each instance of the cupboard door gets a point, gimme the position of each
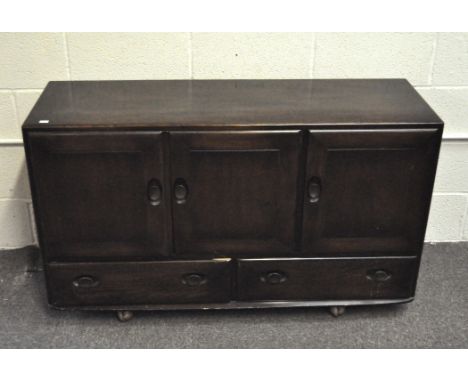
(368, 191)
(100, 195)
(235, 192)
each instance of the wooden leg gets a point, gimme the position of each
(124, 315)
(337, 311)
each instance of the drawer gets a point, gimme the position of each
(140, 283)
(326, 279)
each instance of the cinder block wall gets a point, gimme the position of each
(436, 63)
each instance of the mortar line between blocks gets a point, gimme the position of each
(19, 90)
(450, 193)
(67, 55)
(190, 49)
(464, 219)
(313, 57)
(15, 108)
(7, 142)
(432, 60)
(431, 242)
(3, 248)
(25, 200)
(441, 87)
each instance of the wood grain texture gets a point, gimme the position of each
(242, 194)
(215, 103)
(241, 305)
(326, 279)
(128, 283)
(94, 190)
(376, 187)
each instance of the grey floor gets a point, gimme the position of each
(438, 318)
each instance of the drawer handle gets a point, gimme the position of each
(274, 278)
(379, 275)
(83, 282)
(314, 189)
(194, 279)
(154, 192)
(180, 191)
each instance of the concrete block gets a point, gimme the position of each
(14, 182)
(451, 105)
(15, 226)
(446, 217)
(252, 55)
(452, 170)
(25, 100)
(33, 223)
(8, 124)
(30, 60)
(451, 59)
(465, 230)
(374, 55)
(123, 56)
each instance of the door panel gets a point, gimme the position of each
(235, 192)
(100, 195)
(368, 191)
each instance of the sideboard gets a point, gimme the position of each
(213, 194)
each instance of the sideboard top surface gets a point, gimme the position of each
(217, 103)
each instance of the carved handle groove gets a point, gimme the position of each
(314, 190)
(379, 275)
(274, 278)
(84, 282)
(194, 279)
(180, 191)
(154, 192)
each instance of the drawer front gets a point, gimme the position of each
(163, 282)
(326, 279)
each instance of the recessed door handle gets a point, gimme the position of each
(154, 192)
(194, 279)
(314, 189)
(85, 282)
(379, 275)
(180, 191)
(274, 278)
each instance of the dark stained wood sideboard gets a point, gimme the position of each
(182, 194)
